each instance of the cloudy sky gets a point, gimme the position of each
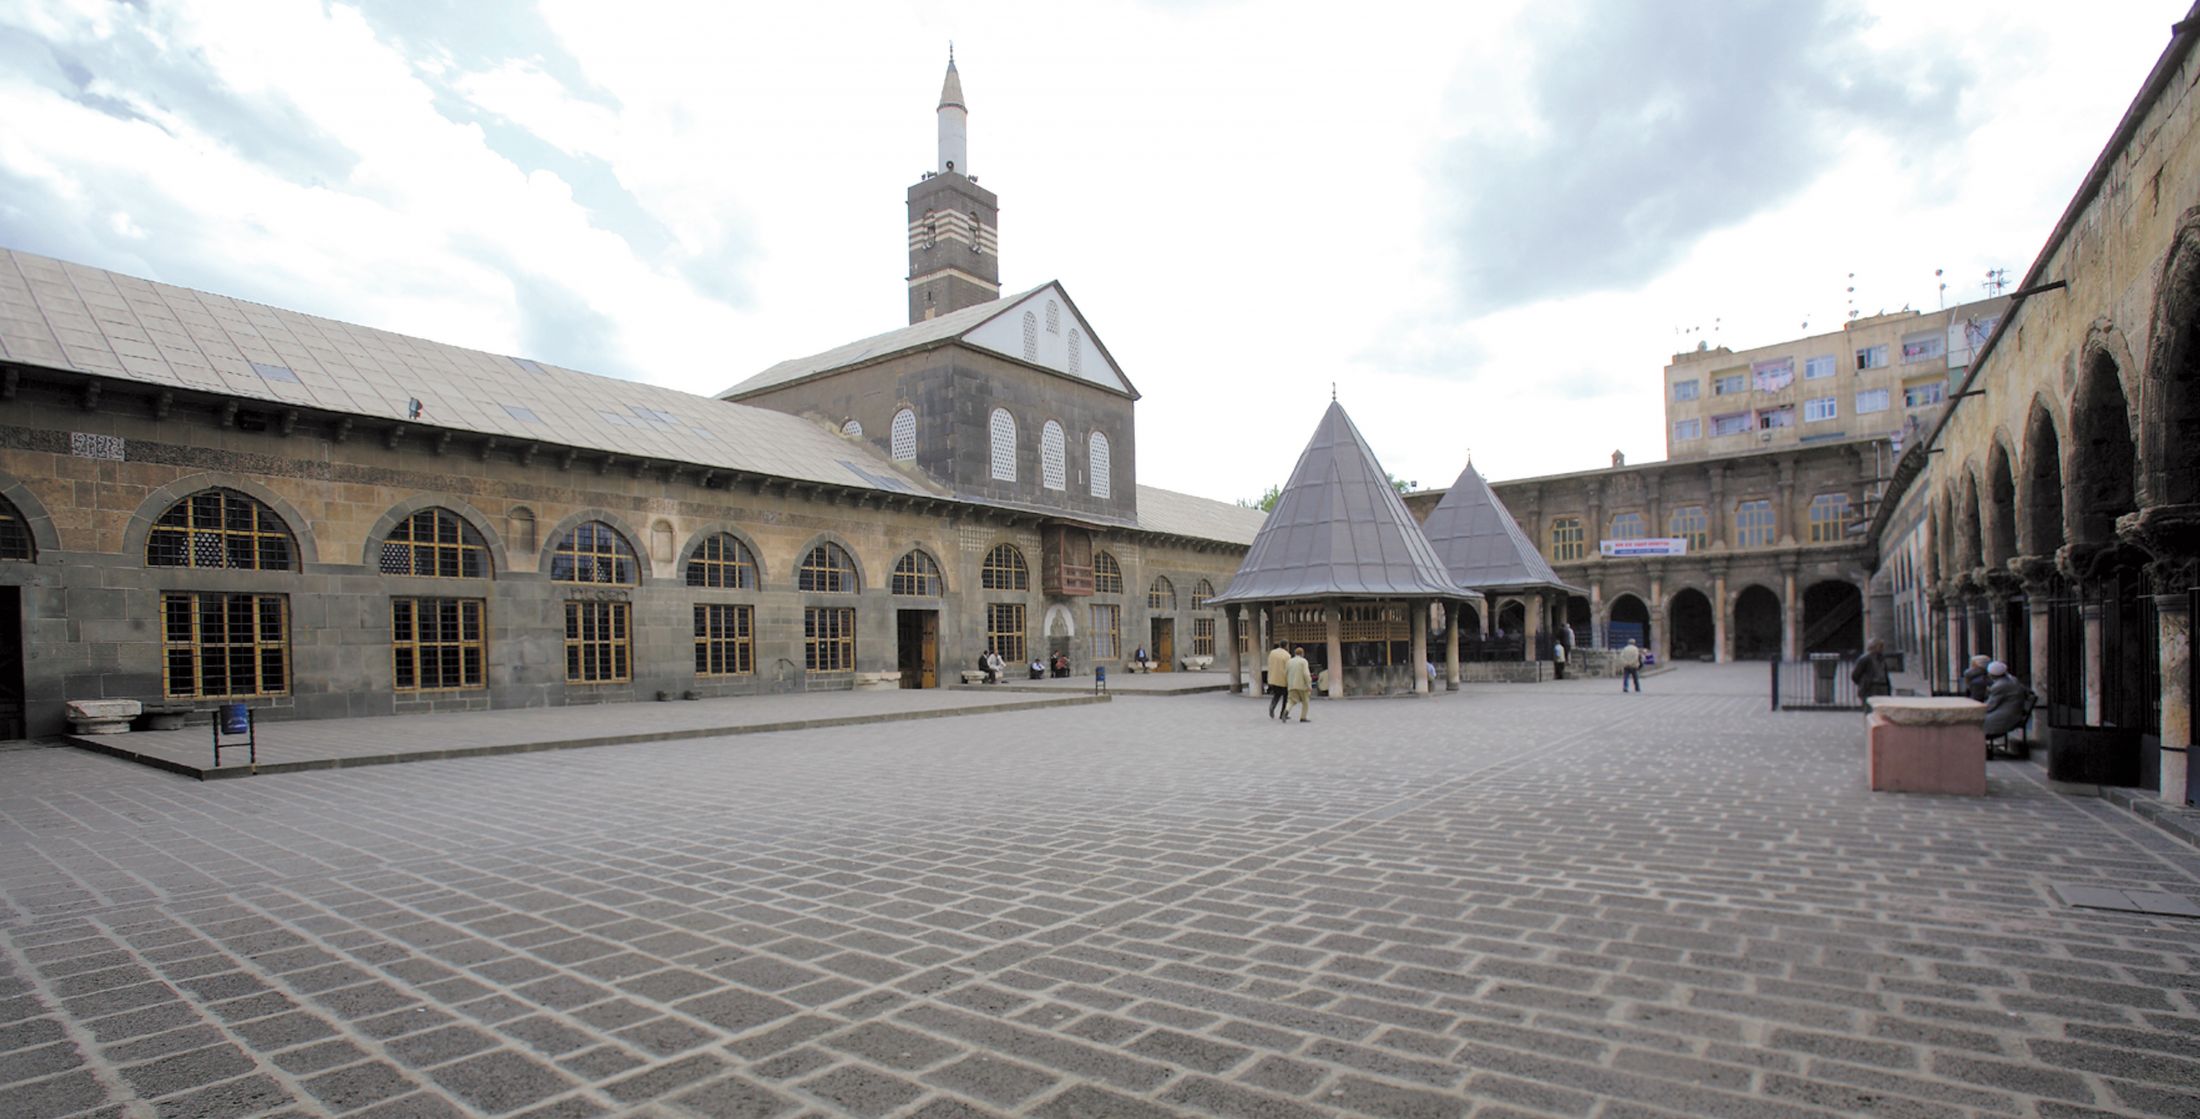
(1489, 225)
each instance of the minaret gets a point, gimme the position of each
(954, 247)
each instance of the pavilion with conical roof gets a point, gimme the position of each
(1341, 568)
(1483, 549)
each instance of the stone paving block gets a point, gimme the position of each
(860, 1091)
(348, 1089)
(498, 1082)
(182, 1071)
(735, 1098)
(992, 1079)
(251, 1095)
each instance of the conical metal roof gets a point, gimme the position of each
(1481, 545)
(1339, 531)
(951, 90)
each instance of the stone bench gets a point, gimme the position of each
(1926, 744)
(102, 716)
(973, 676)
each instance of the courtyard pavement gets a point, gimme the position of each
(1513, 901)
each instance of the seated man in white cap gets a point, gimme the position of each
(1975, 680)
(2008, 701)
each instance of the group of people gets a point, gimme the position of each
(1290, 683)
(990, 663)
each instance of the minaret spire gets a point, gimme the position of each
(954, 121)
(954, 243)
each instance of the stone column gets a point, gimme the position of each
(1719, 608)
(1791, 615)
(1952, 664)
(1451, 646)
(1531, 620)
(1596, 611)
(1334, 619)
(2174, 617)
(2091, 612)
(1419, 610)
(1237, 652)
(2037, 575)
(1786, 508)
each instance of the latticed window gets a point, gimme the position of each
(1107, 631)
(829, 639)
(1076, 351)
(1373, 621)
(596, 643)
(827, 570)
(1689, 523)
(724, 643)
(594, 552)
(1566, 538)
(1002, 431)
(219, 646)
(1031, 336)
(853, 428)
(1053, 457)
(1054, 317)
(437, 644)
(1627, 526)
(1103, 483)
(1829, 515)
(15, 536)
(721, 562)
(434, 542)
(1201, 592)
(904, 436)
(1161, 595)
(1107, 575)
(916, 574)
(219, 528)
(1753, 524)
(1203, 637)
(1004, 570)
(1004, 630)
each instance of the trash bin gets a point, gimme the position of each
(1099, 678)
(1825, 673)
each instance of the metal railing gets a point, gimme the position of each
(1821, 683)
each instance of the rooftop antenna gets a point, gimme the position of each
(1943, 289)
(1996, 279)
(1852, 297)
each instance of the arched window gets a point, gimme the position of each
(1566, 539)
(1004, 570)
(1031, 336)
(1076, 352)
(434, 542)
(1626, 526)
(1053, 455)
(1753, 524)
(1096, 461)
(1003, 430)
(916, 574)
(905, 436)
(220, 528)
(1829, 515)
(1107, 575)
(1201, 592)
(1162, 595)
(15, 536)
(594, 552)
(1689, 523)
(1054, 317)
(827, 570)
(853, 428)
(721, 562)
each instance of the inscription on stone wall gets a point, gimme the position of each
(85, 444)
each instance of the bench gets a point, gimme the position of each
(973, 676)
(1926, 745)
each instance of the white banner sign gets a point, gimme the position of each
(1646, 546)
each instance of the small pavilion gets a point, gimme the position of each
(1341, 568)
(1483, 549)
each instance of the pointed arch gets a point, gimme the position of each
(1053, 457)
(2040, 528)
(828, 567)
(473, 520)
(917, 574)
(1100, 466)
(30, 528)
(2170, 395)
(2000, 506)
(1161, 595)
(1107, 574)
(2104, 457)
(1005, 570)
(903, 441)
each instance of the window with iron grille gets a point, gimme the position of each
(1107, 631)
(1076, 352)
(1107, 575)
(594, 552)
(1003, 448)
(1161, 595)
(597, 649)
(436, 543)
(829, 639)
(827, 570)
(1031, 336)
(1626, 526)
(15, 536)
(1054, 317)
(225, 646)
(1203, 637)
(721, 562)
(1689, 523)
(1566, 538)
(852, 429)
(1201, 592)
(1004, 570)
(1004, 631)
(904, 436)
(724, 645)
(220, 528)
(916, 574)
(1753, 524)
(1053, 457)
(1098, 462)
(1829, 515)
(437, 644)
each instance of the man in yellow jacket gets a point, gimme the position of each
(1279, 661)
(1298, 676)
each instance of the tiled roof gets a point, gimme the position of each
(1180, 514)
(1339, 530)
(1482, 546)
(914, 336)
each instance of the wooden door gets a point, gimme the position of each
(917, 647)
(1164, 644)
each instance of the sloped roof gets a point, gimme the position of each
(1181, 514)
(914, 336)
(1481, 545)
(1339, 531)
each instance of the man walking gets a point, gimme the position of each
(1630, 666)
(1870, 672)
(1279, 662)
(1299, 677)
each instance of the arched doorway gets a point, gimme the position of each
(1833, 619)
(1756, 626)
(1630, 622)
(1579, 617)
(2104, 485)
(1694, 631)
(2104, 459)
(1512, 618)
